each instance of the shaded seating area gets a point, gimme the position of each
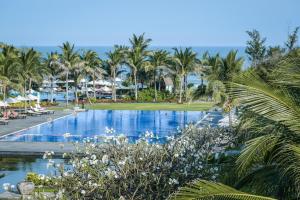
(18, 108)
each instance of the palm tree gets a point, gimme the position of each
(68, 59)
(136, 56)
(30, 68)
(184, 62)
(276, 144)
(114, 59)
(77, 72)
(93, 67)
(8, 68)
(51, 62)
(158, 61)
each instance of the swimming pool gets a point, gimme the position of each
(132, 123)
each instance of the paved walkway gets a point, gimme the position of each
(34, 148)
(19, 124)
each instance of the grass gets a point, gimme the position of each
(203, 106)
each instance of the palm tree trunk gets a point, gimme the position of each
(136, 86)
(114, 86)
(67, 88)
(4, 91)
(25, 106)
(29, 88)
(185, 88)
(86, 89)
(94, 85)
(76, 97)
(180, 89)
(51, 100)
(155, 91)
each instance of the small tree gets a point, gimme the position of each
(255, 47)
(292, 39)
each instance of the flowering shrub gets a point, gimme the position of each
(117, 169)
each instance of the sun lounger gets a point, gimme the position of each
(17, 115)
(40, 109)
(3, 121)
(77, 109)
(32, 113)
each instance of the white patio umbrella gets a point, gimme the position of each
(20, 98)
(100, 82)
(32, 97)
(11, 100)
(106, 89)
(3, 104)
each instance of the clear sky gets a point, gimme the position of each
(167, 22)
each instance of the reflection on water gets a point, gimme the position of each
(15, 169)
(132, 123)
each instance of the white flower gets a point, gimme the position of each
(105, 159)
(6, 186)
(93, 157)
(173, 181)
(83, 192)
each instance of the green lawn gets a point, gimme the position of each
(149, 106)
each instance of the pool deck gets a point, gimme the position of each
(20, 124)
(32, 148)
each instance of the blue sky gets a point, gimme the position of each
(167, 22)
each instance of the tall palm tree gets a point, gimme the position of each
(136, 56)
(93, 67)
(51, 62)
(184, 62)
(158, 61)
(78, 73)
(8, 68)
(30, 67)
(114, 59)
(230, 66)
(68, 59)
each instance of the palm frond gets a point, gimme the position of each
(255, 151)
(206, 190)
(261, 98)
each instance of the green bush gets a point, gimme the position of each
(39, 179)
(112, 167)
(148, 95)
(93, 100)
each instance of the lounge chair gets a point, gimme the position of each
(40, 109)
(17, 115)
(4, 116)
(3, 121)
(32, 113)
(77, 109)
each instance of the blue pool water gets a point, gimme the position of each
(133, 124)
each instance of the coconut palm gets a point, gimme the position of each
(158, 62)
(114, 60)
(277, 145)
(78, 73)
(136, 57)
(184, 62)
(51, 62)
(30, 67)
(68, 59)
(8, 68)
(93, 67)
